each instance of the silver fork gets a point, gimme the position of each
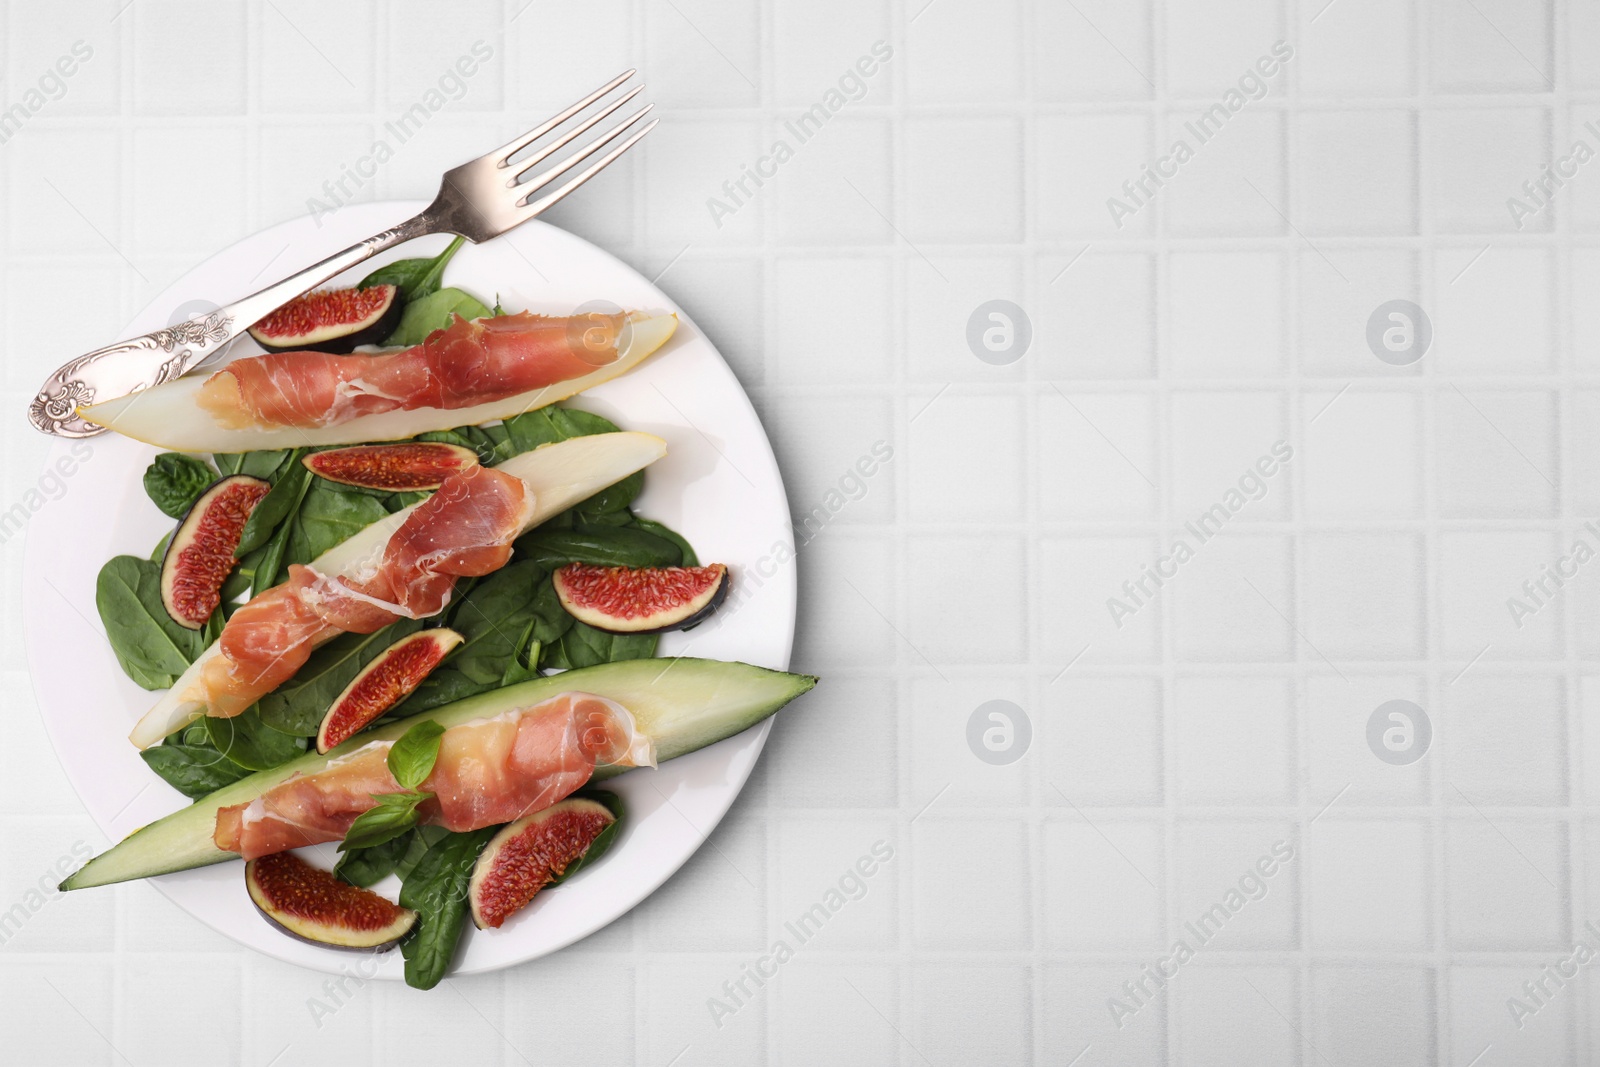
(479, 200)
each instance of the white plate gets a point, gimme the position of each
(718, 485)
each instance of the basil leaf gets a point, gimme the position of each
(249, 742)
(175, 481)
(193, 770)
(433, 312)
(298, 706)
(393, 815)
(150, 647)
(412, 757)
(280, 502)
(368, 866)
(603, 840)
(436, 889)
(415, 277)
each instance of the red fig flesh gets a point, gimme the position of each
(408, 466)
(383, 683)
(527, 855)
(640, 600)
(331, 320)
(199, 557)
(311, 904)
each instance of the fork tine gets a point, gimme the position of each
(587, 124)
(503, 156)
(544, 203)
(539, 181)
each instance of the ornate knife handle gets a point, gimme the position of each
(162, 355)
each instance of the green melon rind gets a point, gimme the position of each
(682, 705)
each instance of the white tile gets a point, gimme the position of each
(1340, 291)
(848, 579)
(1359, 48)
(718, 896)
(965, 51)
(851, 466)
(810, 769)
(1075, 186)
(994, 613)
(1479, 574)
(50, 55)
(1485, 46)
(956, 904)
(34, 915)
(1234, 740)
(1509, 859)
(562, 75)
(75, 217)
(1217, 441)
(1089, 610)
(1477, 159)
(956, 475)
(830, 861)
(1587, 731)
(1093, 50)
(1477, 1018)
(1235, 183)
(690, 168)
(1364, 595)
(315, 171)
(1362, 456)
(562, 987)
(1103, 883)
(817, 45)
(187, 61)
(1227, 313)
(606, 215)
(92, 323)
(964, 179)
(1223, 1022)
(1497, 452)
(1495, 316)
(1368, 884)
(1343, 770)
(675, 998)
(1585, 314)
(704, 54)
(1086, 721)
(826, 1013)
(837, 189)
(1075, 1021)
(318, 57)
(195, 211)
(724, 298)
(146, 992)
(1365, 1014)
(1505, 740)
(1095, 315)
(945, 999)
(423, 54)
(60, 1012)
(1096, 456)
(945, 773)
(1237, 884)
(835, 319)
(1572, 199)
(1357, 172)
(1210, 47)
(1217, 613)
(939, 308)
(1581, 32)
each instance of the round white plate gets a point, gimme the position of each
(718, 485)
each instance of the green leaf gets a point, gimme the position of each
(433, 312)
(298, 706)
(612, 500)
(436, 889)
(280, 502)
(584, 646)
(412, 757)
(327, 516)
(193, 770)
(270, 563)
(524, 666)
(608, 546)
(393, 815)
(175, 481)
(249, 742)
(369, 866)
(603, 840)
(151, 648)
(664, 532)
(415, 277)
(161, 547)
(420, 841)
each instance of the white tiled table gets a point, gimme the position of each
(1228, 712)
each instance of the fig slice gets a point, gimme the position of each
(331, 320)
(199, 557)
(404, 467)
(641, 600)
(383, 683)
(311, 904)
(529, 854)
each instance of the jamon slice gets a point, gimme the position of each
(488, 772)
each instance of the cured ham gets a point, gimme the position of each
(467, 363)
(489, 771)
(464, 529)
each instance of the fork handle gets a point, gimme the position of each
(162, 355)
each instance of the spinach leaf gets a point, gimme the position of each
(175, 481)
(279, 504)
(603, 840)
(412, 757)
(612, 501)
(161, 547)
(433, 312)
(415, 277)
(650, 526)
(326, 517)
(271, 561)
(421, 840)
(193, 770)
(238, 583)
(368, 866)
(297, 706)
(436, 889)
(584, 646)
(249, 742)
(393, 815)
(609, 546)
(524, 666)
(151, 648)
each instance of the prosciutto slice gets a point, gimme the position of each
(468, 362)
(489, 771)
(465, 528)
